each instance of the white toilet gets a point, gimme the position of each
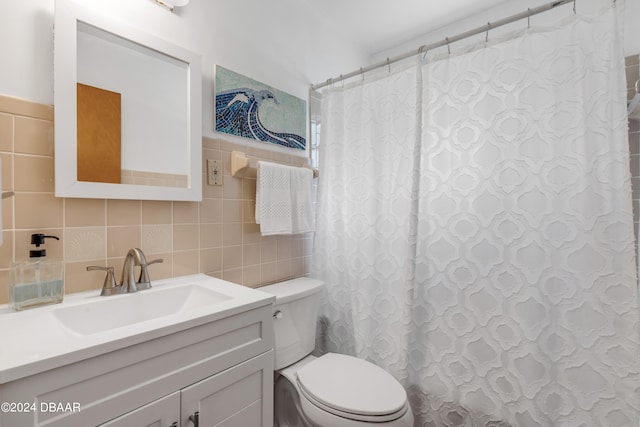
(333, 390)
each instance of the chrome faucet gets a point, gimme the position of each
(135, 258)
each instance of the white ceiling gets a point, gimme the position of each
(378, 25)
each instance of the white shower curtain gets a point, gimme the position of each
(475, 231)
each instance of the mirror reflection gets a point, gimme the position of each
(132, 110)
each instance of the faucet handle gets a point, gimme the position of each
(144, 282)
(109, 286)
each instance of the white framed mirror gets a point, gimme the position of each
(128, 120)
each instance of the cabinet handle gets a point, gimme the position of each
(195, 419)
(174, 424)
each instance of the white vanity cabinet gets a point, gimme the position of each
(161, 413)
(222, 369)
(235, 397)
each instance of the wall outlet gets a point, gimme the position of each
(214, 174)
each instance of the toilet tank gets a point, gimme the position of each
(294, 318)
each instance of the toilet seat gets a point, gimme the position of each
(352, 388)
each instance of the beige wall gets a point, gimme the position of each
(217, 236)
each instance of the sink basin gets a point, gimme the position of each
(87, 325)
(107, 313)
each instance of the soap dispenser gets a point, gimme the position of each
(37, 281)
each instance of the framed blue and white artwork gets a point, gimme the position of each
(250, 109)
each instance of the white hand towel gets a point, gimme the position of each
(302, 214)
(283, 199)
(273, 199)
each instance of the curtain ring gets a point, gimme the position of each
(362, 73)
(448, 45)
(574, 7)
(421, 48)
(389, 64)
(529, 18)
(342, 80)
(486, 37)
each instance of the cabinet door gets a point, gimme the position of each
(164, 412)
(241, 396)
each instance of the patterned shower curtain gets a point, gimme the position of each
(475, 231)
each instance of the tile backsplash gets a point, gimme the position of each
(217, 236)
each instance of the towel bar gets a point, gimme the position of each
(240, 163)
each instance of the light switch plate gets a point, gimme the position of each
(214, 174)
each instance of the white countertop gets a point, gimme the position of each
(35, 340)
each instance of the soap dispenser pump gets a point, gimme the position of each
(37, 281)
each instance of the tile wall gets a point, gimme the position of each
(217, 236)
(634, 146)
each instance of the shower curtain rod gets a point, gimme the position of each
(447, 41)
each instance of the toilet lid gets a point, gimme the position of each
(352, 385)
